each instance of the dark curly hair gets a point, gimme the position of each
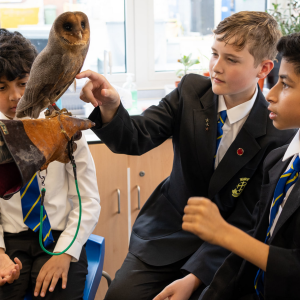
(289, 48)
(16, 55)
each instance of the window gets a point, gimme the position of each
(158, 32)
(34, 18)
(182, 27)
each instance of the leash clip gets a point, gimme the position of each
(42, 177)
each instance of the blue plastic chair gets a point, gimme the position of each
(95, 249)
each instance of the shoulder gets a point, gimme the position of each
(198, 83)
(274, 156)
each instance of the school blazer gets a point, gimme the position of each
(235, 278)
(157, 237)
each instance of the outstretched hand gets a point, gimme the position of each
(97, 90)
(202, 217)
(9, 271)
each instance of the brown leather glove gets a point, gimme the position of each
(33, 144)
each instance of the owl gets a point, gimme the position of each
(55, 68)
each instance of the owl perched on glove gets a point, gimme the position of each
(55, 68)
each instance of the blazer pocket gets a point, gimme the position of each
(158, 220)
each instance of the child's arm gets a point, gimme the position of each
(203, 218)
(58, 267)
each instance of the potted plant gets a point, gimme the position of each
(186, 62)
(289, 22)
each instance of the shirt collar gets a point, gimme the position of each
(3, 116)
(238, 112)
(293, 148)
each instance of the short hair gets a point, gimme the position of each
(289, 48)
(258, 30)
(16, 54)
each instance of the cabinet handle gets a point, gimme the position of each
(119, 201)
(139, 197)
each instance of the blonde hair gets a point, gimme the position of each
(257, 30)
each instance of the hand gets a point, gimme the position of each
(55, 268)
(9, 271)
(181, 289)
(202, 217)
(98, 90)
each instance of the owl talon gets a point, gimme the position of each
(52, 113)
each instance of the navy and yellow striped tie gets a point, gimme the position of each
(221, 122)
(31, 204)
(285, 182)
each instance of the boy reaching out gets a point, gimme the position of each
(271, 265)
(220, 132)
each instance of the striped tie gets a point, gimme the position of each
(221, 121)
(31, 204)
(285, 182)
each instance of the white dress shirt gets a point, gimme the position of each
(61, 202)
(292, 150)
(236, 117)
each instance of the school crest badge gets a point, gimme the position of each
(240, 187)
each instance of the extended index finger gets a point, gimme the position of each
(91, 75)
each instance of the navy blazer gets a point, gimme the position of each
(235, 278)
(157, 237)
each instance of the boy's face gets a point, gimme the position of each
(232, 72)
(11, 93)
(284, 98)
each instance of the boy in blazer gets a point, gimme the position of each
(23, 264)
(267, 265)
(226, 169)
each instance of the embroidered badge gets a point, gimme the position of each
(3, 127)
(240, 187)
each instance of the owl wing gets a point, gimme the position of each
(72, 66)
(50, 77)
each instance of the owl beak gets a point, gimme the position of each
(79, 34)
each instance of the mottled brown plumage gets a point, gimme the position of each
(57, 65)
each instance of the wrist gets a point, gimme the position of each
(225, 236)
(66, 256)
(194, 280)
(109, 111)
(2, 251)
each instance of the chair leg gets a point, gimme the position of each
(107, 277)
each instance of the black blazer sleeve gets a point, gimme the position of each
(283, 273)
(205, 262)
(138, 134)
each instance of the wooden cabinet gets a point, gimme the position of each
(111, 175)
(124, 173)
(146, 172)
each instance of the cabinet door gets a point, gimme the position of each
(146, 172)
(113, 226)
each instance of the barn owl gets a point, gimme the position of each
(55, 68)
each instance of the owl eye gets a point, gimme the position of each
(82, 25)
(67, 26)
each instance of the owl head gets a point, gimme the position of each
(72, 28)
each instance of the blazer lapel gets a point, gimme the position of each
(267, 197)
(254, 127)
(206, 139)
(292, 204)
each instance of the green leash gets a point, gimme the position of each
(41, 212)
